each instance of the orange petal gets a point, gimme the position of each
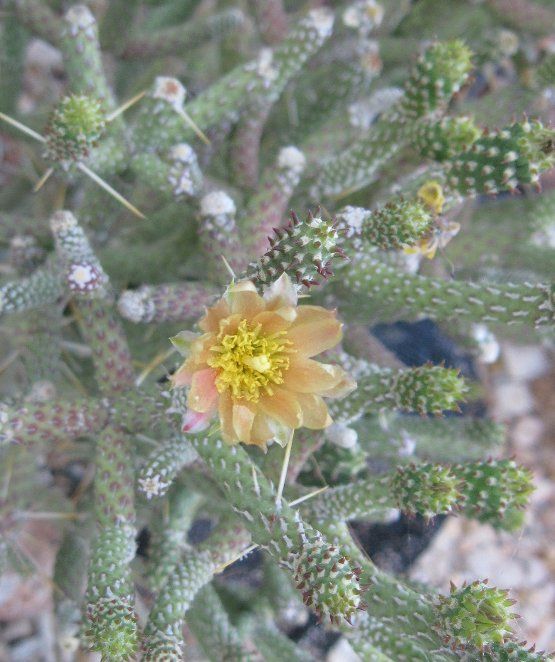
(228, 325)
(274, 321)
(246, 304)
(200, 348)
(283, 406)
(314, 337)
(307, 314)
(211, 320)
(203, 395)
(315, 411)
(344, 386)
(243, 418)
(261, 431)
(282, 292)
(309, 376)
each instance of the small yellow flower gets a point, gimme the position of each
(431, 194)
(253, 365)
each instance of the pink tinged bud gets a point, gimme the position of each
(194, 421)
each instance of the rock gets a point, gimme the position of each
(342, 652)
(525, 362)
(512, 399)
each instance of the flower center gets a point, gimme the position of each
(249, 362)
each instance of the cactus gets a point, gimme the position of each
(237, 114)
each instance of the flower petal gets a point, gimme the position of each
(243, 418)
(246, 304)
(315, 411)
(183, 341)
(274, 321)
(316, 336)
(280, 432)
(344, 386)
(309, 376)
(308, 313)
(203, 395)
(261, 431)
(281, 292)
(211, 320)
(282, 405)
(194, 421)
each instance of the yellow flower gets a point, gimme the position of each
(431, 194)
(253, 365)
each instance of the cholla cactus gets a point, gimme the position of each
(242, 114)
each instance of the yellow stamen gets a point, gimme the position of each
(249, 362)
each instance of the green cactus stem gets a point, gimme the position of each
(83, 59)
(439, 73)
(162, 466)
(211, 625)
(44, 286)
(330, 587)
(425, 390)
(178, 175)
(503, 160)
(496, 492)
(111, 620)
(182, 38)
(163, 632)
(171, 302)
(399, 438)
(266, 210)
(444, 139)
(219, 235)
(88, 283)
(416, 295)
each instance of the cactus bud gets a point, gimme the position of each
(328, 582)
(439, 73)
(303, 250)
(73, 129)
(475, 615)
(398, 224)
(426, 489)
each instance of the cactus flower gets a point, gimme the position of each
(253, 366)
